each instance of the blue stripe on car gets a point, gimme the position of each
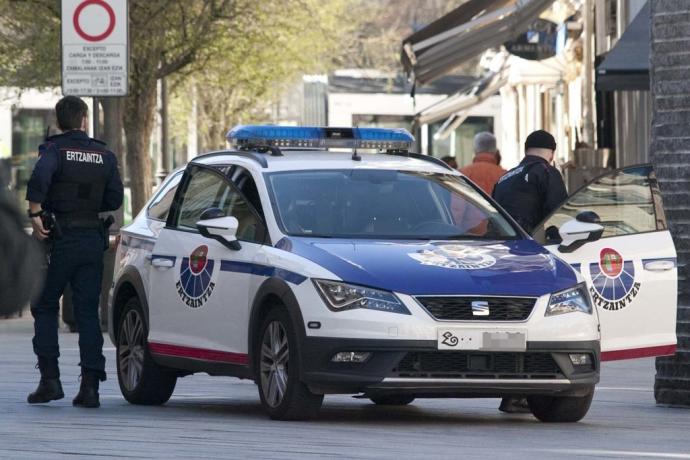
(261, 270)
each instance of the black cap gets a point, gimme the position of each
(540, 140)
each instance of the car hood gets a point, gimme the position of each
(468, 267)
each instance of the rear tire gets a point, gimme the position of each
(392, 400)
(141, 380)
(561, 409)
(277, 368)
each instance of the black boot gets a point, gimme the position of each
(49, 388)
(88, 391)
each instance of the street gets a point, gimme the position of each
(221, 418)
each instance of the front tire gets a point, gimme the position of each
(392, 400)
(561, 409)
(283, 395)
(141, 380)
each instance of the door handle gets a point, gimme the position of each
(160, 262)
(659, 265)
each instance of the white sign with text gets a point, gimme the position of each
(94, 47)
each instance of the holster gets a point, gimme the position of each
(105, 225)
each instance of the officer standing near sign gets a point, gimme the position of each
(75, 178)
(529, 193)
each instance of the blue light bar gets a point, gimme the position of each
(257, 136)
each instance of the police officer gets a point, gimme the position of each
(529, 193)
(75, 178)
(533, 189)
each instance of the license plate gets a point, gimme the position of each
(474, 339)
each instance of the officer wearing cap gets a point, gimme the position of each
(529, 193)
(75, 178)
(533, 189)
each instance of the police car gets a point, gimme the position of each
(384, 275)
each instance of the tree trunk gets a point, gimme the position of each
(113, 110)
(140, 108)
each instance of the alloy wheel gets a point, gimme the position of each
(130, 350)
(275, 355)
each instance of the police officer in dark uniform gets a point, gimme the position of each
(75, 178)
(529, 193)
(533, 189)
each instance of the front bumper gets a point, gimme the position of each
(418, 367)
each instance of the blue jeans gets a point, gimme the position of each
(76, 258)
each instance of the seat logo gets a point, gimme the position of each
(480, 308)
(613, 280)
(196, 281)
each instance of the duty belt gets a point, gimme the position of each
(69, 223)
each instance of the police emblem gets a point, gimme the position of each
(613, 280)
(457, 256)
(196, 282)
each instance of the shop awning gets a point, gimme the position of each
(626, 66)
(456, 104)
(466, 32)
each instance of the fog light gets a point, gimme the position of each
(350, 357)
(581, 359)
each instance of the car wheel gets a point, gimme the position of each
(283, 395)
(561, 409)
(392, 400)
(141, 380)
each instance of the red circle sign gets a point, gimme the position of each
(81, 32)
(611, 262)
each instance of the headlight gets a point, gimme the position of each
(570, 300)
(342, 296)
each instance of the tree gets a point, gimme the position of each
(179, 38)
(252, 69)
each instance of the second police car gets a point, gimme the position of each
(385, 275)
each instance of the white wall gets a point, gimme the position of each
(342, 107)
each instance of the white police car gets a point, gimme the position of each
(385, 275)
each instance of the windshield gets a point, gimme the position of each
(383, 205)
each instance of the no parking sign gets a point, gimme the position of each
(94, 47)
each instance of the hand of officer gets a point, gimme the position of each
(39, 232)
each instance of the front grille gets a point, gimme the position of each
(459, 365)
(460, 308)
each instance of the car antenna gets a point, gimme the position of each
(355, 156)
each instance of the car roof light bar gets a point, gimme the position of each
(309, 137)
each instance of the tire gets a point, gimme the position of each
(392, 400)
(561, 409)
(277, 368)
(141, 380)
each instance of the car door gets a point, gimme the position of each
(198, 286)
(631, 270)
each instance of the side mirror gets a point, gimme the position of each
(221, 229)
(584, 228)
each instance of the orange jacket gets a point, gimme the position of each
(484, 171)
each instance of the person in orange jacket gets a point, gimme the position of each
(484, 169)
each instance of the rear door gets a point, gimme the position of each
(631, 271)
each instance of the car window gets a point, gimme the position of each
(245, 183)
(208, 189)
(383, 204)
(623, 200)
(160, 205)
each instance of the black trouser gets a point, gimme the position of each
(76, 258)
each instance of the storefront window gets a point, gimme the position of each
(29, 129)
(459, 143)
